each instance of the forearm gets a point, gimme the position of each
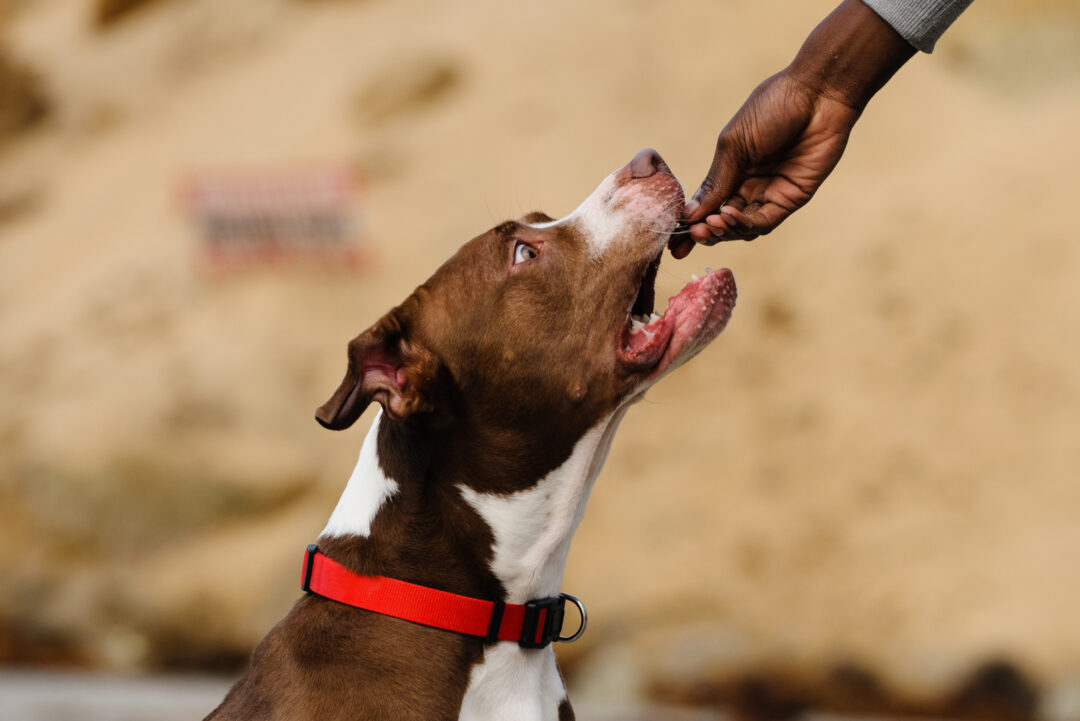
(850, 55)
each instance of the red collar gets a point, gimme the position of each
(532, 625)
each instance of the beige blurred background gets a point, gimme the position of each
(864, 496)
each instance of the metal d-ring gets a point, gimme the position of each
(584, 619)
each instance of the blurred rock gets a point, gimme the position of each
(995, 690)
(780, 688)
(408, 87)
(23, 100)
(19, 202)
(109, 12)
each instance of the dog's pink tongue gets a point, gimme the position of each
(645, 347)
(687, 314)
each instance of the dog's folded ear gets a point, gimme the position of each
(386, 367)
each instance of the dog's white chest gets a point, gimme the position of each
(514, 683)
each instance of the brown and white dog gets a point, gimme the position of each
(502, 380)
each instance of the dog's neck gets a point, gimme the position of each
(367, 490)
(433, 527)
(525, 536)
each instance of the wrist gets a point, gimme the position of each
(850, 55)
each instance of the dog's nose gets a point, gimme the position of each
(647, 162)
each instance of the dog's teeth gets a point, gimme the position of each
(636, 325)
(693, 277)
(653, 317)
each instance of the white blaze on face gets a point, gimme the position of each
(366, 492)
(613, 209)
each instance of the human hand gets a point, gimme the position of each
(770, 160)
(776, 151)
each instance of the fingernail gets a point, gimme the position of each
(690, 208)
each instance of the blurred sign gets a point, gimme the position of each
(286, 217)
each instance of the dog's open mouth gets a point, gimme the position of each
(654, 342)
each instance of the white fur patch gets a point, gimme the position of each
(533, 529)
(599, 224)
(513, 683)
(366, 492)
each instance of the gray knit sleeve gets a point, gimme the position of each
(920, 22)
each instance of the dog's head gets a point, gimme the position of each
(541, 326)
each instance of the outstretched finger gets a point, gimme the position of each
(724, 176)
(753, 220)
(680, 247)
(699, 234)
(715, 228)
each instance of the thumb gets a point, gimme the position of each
(725, 175)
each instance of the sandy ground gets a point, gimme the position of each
(875, 464)
(62, 697)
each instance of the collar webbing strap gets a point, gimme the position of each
(534, 624)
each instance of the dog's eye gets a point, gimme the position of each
(524, 252)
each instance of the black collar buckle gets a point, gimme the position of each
(543, 622)
(309, 566)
